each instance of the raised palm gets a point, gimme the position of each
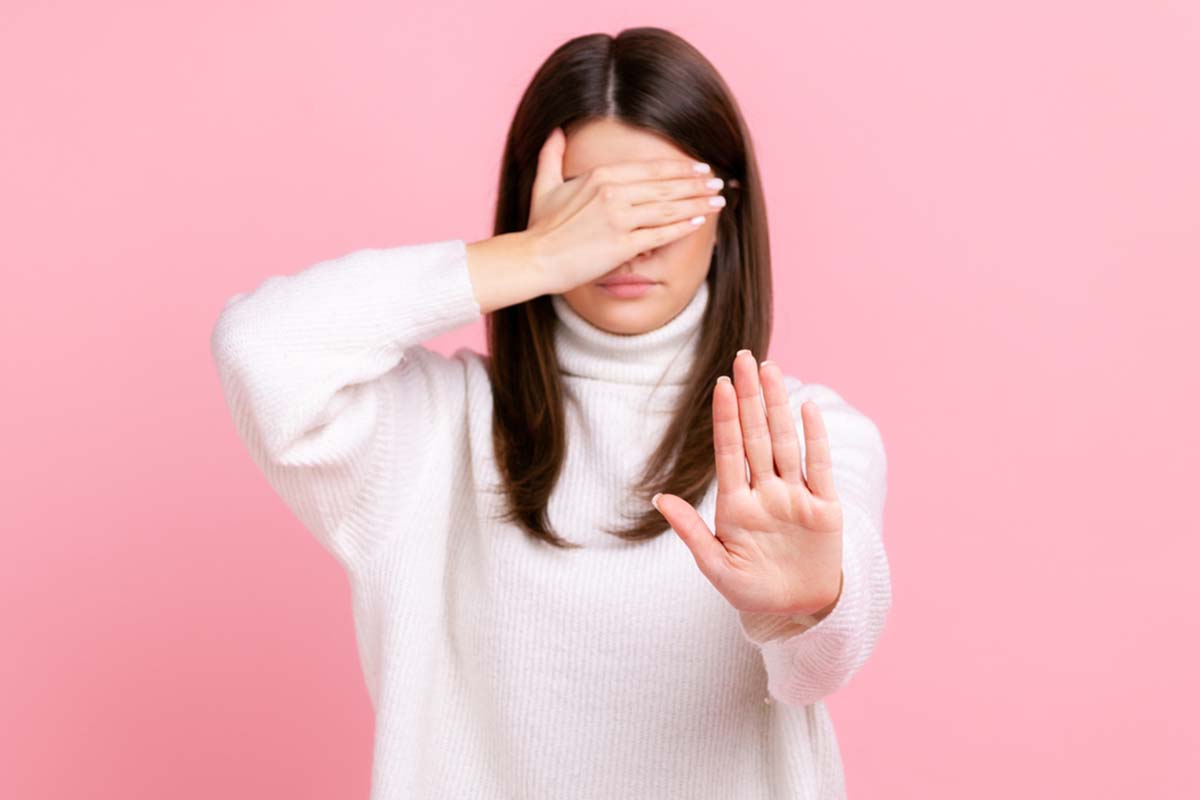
(778, 542)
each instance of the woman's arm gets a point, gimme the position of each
(330, 389)
(809, 658)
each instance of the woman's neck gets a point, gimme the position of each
(663, 355)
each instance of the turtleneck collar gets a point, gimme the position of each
(662, 355)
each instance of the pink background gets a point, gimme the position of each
(985, 224)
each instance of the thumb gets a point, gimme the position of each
(549, 169)
(689, 525)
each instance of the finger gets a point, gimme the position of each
(727, 438)
(649, 170)
(642, 239)
(671, 189)
(645, 214)
(549, 168)
(689, 525)
(756, 436)
(818, 461)
(785, 443)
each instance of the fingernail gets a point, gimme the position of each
(714, 183)
(739, 352)
(654, 501)
(764, 363)
(724, 378)
(716, 200)
(700, 166)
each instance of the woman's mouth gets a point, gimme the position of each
(628, 288)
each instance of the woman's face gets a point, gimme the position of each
(676, 268)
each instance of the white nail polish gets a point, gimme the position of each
(700, 166)
(698, 220)
(714, 183)
(716, 200)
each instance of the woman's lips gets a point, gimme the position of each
(627, 289)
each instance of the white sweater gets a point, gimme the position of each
(498, 666)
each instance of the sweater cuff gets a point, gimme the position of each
(438, 271)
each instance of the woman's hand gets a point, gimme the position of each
(778, 543)
(587, 226)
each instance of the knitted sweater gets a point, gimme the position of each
(498, 666)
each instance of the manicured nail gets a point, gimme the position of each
(739, 352)
(724, 378)
(700, 166)
(698, 220)
(764, 363)
(716, 200)
(654, 501)
(714, 183)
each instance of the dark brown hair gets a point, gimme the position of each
(649, 78)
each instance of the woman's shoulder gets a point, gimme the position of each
(438, 390)
(461, 367)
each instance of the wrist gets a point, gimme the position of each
(821, 613)
(507, 269)
(543, 259)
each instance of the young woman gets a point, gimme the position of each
(525, 627)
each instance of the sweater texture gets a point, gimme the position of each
(499, 666)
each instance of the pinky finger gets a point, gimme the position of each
(649, 238)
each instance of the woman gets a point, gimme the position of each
(525, 628)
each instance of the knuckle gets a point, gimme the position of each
(727, 447)
(756, 430)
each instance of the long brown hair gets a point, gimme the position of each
(650, 78)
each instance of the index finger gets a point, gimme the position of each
(728, 449)
(650, 169)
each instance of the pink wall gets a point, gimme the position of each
(986, 236)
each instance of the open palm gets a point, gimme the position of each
(778, 542)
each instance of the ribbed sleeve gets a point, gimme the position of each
(310, 365)
(806, 662)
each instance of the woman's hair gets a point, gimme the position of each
(649, 78)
